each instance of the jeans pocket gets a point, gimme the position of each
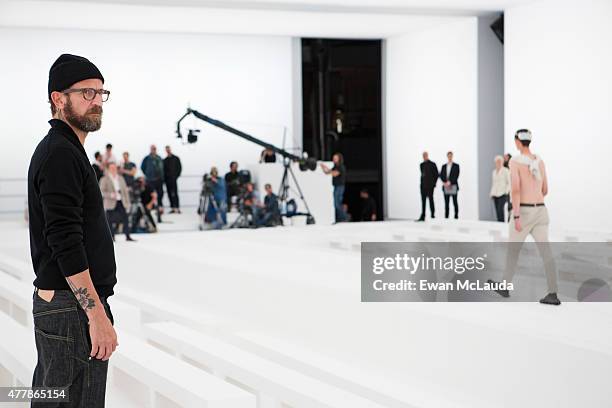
(41, 299)
(55, 346)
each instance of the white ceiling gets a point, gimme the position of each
(445, 7)
(295, 18)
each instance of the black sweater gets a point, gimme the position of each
(68, 228)
(172, 167)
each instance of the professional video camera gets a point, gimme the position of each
(207, 184)
(245, 202)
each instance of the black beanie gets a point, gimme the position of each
(69, 69)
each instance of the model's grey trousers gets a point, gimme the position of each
(534, 222)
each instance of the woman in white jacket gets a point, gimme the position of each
(500, 187)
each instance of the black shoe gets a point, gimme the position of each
(550, 299)
(420, 219)
(130, 239)
(433, 216)
(501, 292)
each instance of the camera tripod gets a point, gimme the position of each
(283, 193)
(205, 199)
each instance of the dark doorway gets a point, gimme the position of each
(342, 98)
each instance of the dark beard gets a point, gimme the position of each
(86, 123)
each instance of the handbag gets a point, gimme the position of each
(450, 189)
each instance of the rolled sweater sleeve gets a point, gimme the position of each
(60, 186)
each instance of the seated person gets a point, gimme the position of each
(145, 199)
(232, 184)
(267, 156)
(217, 217)
(251, 202)
(270, 215)
(368, 206)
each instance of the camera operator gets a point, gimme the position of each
(214, 187)
(271, 212)
(146, 198)
(267, 156)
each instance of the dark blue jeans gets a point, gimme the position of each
(61, 330)
(338, 196)
(500, 202)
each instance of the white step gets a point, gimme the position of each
(174, 379)
(271, 381)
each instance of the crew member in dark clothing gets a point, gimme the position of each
(146, 197)
(152, 167)
(338, 173)
(449, 174)
(70, 241)
(172, 171)
(98, 166)
(267, 156)
(128, 170)
(368, 206)
(271, 213)
(232, 184)
(251, 202)
(429, 179)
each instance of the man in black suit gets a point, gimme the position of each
(449, 174)
(429, 178)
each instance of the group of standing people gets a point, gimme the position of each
(158, 171)
(449, 175)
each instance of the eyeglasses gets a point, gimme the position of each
(90, 93)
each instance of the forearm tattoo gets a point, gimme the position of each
(84, 298)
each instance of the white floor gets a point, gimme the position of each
(292, 296)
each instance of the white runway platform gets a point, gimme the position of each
(273, 318)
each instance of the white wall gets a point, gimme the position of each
(431, 104)
(559, 84)
(245, 81)
(490, 110)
